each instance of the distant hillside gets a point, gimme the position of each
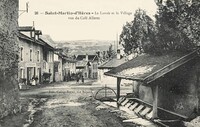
(85, 46)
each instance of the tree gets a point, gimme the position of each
(139, 35)
(177, 28)
(126, 38)
(110, 51)
(178, 24)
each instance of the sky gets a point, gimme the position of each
(107, 24)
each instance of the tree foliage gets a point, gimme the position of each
(110, 51)
(177, 28)
(178, 24)
(137, 35)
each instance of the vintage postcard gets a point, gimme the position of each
(99, 63)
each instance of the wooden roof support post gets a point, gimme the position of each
(118, 90)
(155, 101)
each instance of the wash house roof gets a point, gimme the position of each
(147, 68)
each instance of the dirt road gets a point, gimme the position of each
(64, 104)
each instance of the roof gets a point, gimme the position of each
(24, 37)
(114, 62)
(147, 68)
(70, 60)
(90, 57)
(48, 44)
(48, 40)
(26, 28)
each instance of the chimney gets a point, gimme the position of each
(86, 57)
(118, 54)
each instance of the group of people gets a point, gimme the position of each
(78, 77)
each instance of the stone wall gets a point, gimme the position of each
(9, 98)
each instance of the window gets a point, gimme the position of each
(38, 56)
(50, 58)
(44, 65)
(21, 75)
(31, 51)
(21, 53)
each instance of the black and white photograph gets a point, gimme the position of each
(99, 63)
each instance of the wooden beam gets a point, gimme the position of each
(170, 67)
(162, 109)
(123, 77)
(118, 90)
(136, 86)
(155, 101)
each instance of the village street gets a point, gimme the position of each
(65, 104)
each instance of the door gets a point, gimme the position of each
(28, 75)
(39, 75)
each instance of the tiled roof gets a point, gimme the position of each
(114, 62)
(69, 60)
(84, 51)
(150, 67)
(90, 57)
(48, 40)
(22, 36)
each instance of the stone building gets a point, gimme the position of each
(30, 55)
(8, 57)
(69, 68)
(105, 67)
(87, 65)
(48, 58)
(35, 57)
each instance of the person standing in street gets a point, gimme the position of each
(82, 79)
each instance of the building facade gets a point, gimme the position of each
(69, 69)
(58, 68)
(30, 57)
(35, 57)
(87, 65)
(48, 61)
